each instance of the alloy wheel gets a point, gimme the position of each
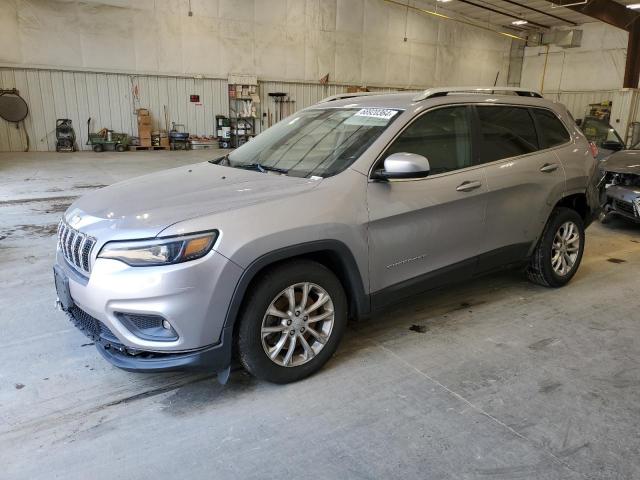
(565, 248)
(297, 324)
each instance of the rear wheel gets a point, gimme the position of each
(294, 318)
(559, 252)
(98, 147)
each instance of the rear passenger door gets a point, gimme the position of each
(524, 176)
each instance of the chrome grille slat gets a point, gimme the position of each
(80, 250)
(86, 252)
(75, 253)
(76, 247)
(69, 241)
(63, 240)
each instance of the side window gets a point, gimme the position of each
(552, 131)
(443, 136)
(506, 132)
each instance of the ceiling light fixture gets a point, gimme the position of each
(634, 6)
(519, 22)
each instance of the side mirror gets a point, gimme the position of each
(403, 165)
(612, 145)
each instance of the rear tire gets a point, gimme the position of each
(299, 343)
(559, 252)
(98, 147)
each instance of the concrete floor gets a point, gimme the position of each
(493, 379)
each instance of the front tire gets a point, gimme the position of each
(293, 320)
(559, 252)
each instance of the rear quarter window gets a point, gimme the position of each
(551, 129)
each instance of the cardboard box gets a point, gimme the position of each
(143, 112)
(144, 121)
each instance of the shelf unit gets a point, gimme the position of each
(243, 108)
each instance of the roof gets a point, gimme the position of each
(405, 100)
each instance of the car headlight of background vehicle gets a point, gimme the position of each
(161, 251)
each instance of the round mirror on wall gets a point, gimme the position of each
(13, 108)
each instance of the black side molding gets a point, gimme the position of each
(349, 274)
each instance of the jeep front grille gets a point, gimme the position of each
(75, 247)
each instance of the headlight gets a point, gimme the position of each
(163, 251)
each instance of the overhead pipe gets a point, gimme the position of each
(541, 12)
(465, 22)
(499, 12)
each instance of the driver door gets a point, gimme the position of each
(428, 231)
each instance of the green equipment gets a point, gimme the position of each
(107, 140)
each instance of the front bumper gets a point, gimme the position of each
(193, 297)
(211, 358)
(214, 358)
(623, 202)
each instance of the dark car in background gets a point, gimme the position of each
(621, 181)
(602, 135)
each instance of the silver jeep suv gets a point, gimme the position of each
(336, 211)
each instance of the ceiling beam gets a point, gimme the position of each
(619, 16)
(541, 12)
(632, 67)
(608, 11)
(506, 14)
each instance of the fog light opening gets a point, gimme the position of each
(166, 325)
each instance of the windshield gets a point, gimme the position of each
(318, 142)
(601, 133)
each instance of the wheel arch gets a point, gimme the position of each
(578, 202)
(333, 254)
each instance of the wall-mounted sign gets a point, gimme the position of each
(194, 98)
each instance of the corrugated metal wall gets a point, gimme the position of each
(624, 105)
(110, 99)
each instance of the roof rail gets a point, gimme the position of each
(443, 91)
(340, 96)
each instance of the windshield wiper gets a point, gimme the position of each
(220, 160)
(262, 168)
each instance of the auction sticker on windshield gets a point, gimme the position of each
(382, 113)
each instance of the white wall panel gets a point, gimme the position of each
(598, 64)
(107, 98)
(354, 41)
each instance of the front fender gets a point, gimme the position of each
(350, 274)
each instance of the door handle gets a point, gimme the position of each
(468, 186)
(549, 167)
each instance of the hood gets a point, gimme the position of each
(144, 206)
(627, 161)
